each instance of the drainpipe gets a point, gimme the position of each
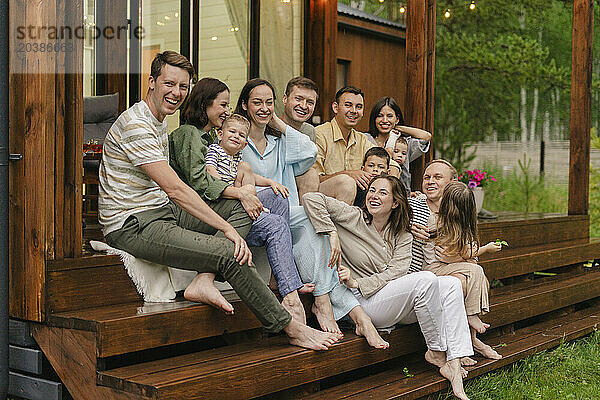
(3, 199)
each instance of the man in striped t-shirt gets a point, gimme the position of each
(149, 212)
(437, 175)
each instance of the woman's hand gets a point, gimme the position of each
(278, 188)
(346, 278)
(336, 250)
(242, 253)
(250, 201)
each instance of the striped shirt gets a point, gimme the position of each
(421, 214)
(225, 164)
(136, 138)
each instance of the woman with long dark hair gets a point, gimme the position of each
(203, 113)
(279, 152)
(371, 248)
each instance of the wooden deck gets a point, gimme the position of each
(133, 350)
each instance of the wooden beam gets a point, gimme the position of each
(581, 86)
(416, 68)
(429, 87)
(321, 55)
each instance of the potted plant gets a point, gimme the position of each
(476, 180)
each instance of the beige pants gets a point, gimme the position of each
(477, 297)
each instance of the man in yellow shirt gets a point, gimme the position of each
(342, 148)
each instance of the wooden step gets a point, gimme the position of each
(395, 384)
(519, 261)
(262, 368)
(524, 230)
(124, 328)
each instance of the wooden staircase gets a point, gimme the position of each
(104, 342)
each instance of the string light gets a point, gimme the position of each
(472, 5)
(381, 1)
(447, 14)
(402, 9)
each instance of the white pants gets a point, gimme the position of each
(436, 303)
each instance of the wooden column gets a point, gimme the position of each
(320, 58)
(581, 84)
(420, 65)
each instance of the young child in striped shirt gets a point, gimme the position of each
(223, 159)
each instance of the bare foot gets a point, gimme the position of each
(202, 290)
(307, 337)
(307, 288)
(364, 327)
(291, 302)
(485, 350)
(452, 371)
(477, 324)
(467, 361)
(437, 358)
(324, 313)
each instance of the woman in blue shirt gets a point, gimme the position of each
(279, 152)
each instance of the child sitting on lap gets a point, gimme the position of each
(223, 160)
(453, 250)
(376, 161)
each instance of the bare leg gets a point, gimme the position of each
(452, 371)
(438, 358)
(305, 336)
(341, 187)
(202, 290)
(477, 324)
(364, 327)
(307, 182)
(291, 302)
(324, 313)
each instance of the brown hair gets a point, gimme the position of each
(245, 96)
(401, 139)
(457, 220)
(401, 216)
(193, 110)
(172, 58)
(453, 170)
(302, 82)
(237, 118)
(377, 152)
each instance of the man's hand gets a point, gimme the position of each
(242, 253)
(419, 231)
(362, 178)
(250, 202)
(346, 278)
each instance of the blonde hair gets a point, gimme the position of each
(237, 118)
(457, 220)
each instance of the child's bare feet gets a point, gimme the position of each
(307, 337)
(202, 290)
(291, 302)
(307, 288)
(324, 313)
(477, 324)
(485, 350)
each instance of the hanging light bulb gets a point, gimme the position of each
(447, 13)
(402, 9)
(472, 5)
(381, 1)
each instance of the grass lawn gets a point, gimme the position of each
(571, 371)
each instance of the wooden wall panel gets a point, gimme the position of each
(320, 57)
(376, 65)
(581, 86)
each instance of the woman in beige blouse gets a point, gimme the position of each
(371, 247)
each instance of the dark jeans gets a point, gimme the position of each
(170, 236)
